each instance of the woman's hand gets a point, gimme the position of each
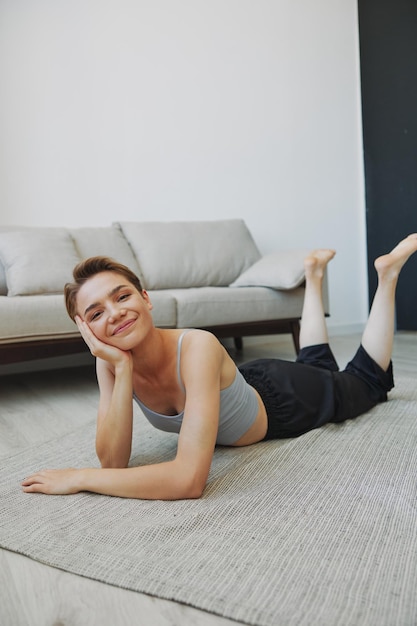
(98, 348)
(54, 482)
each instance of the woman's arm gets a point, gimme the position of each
(186, 475)
(162, 481)
(115, 411)
(115, 415)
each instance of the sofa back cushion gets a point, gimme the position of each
(3, 280)
(190, 254)
(41, 260)
(37, 260)
(104, 241)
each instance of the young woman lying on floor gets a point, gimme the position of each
(185, 382)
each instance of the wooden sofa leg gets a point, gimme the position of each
(238, 343)
(295, 332)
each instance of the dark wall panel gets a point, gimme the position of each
(388, 48)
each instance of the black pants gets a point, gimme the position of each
(311, 392)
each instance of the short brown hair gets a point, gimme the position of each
(90, 267)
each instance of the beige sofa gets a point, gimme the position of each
(206, 274)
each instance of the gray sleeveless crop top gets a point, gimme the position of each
(238, 408)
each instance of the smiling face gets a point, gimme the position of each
(114, 309)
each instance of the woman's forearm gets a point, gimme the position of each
(172, 480)
(114, 429)
(163, 481)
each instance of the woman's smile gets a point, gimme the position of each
(124, 326)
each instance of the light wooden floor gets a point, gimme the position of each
(32, 594)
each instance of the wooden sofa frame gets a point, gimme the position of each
(44, 348)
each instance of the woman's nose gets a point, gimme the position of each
(115, 313)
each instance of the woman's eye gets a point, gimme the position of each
(95, 316)
(124, 296)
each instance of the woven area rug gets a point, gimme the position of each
(320, 530)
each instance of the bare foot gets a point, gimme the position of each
(389, 265)
(315, 263)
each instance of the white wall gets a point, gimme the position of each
(189, 109)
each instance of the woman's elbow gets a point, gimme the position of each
(187, 494)
(188, 482)
(191, 488)
(195, 492)
(112, 459)
(108, 461)
(111, 464)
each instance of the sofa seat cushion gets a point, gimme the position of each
(164, 312)
(34, 317)
(25, 318)
(212, 306)
(174, 255)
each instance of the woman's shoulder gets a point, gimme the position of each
(187, 343)
(197, 336)
(202, 351)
